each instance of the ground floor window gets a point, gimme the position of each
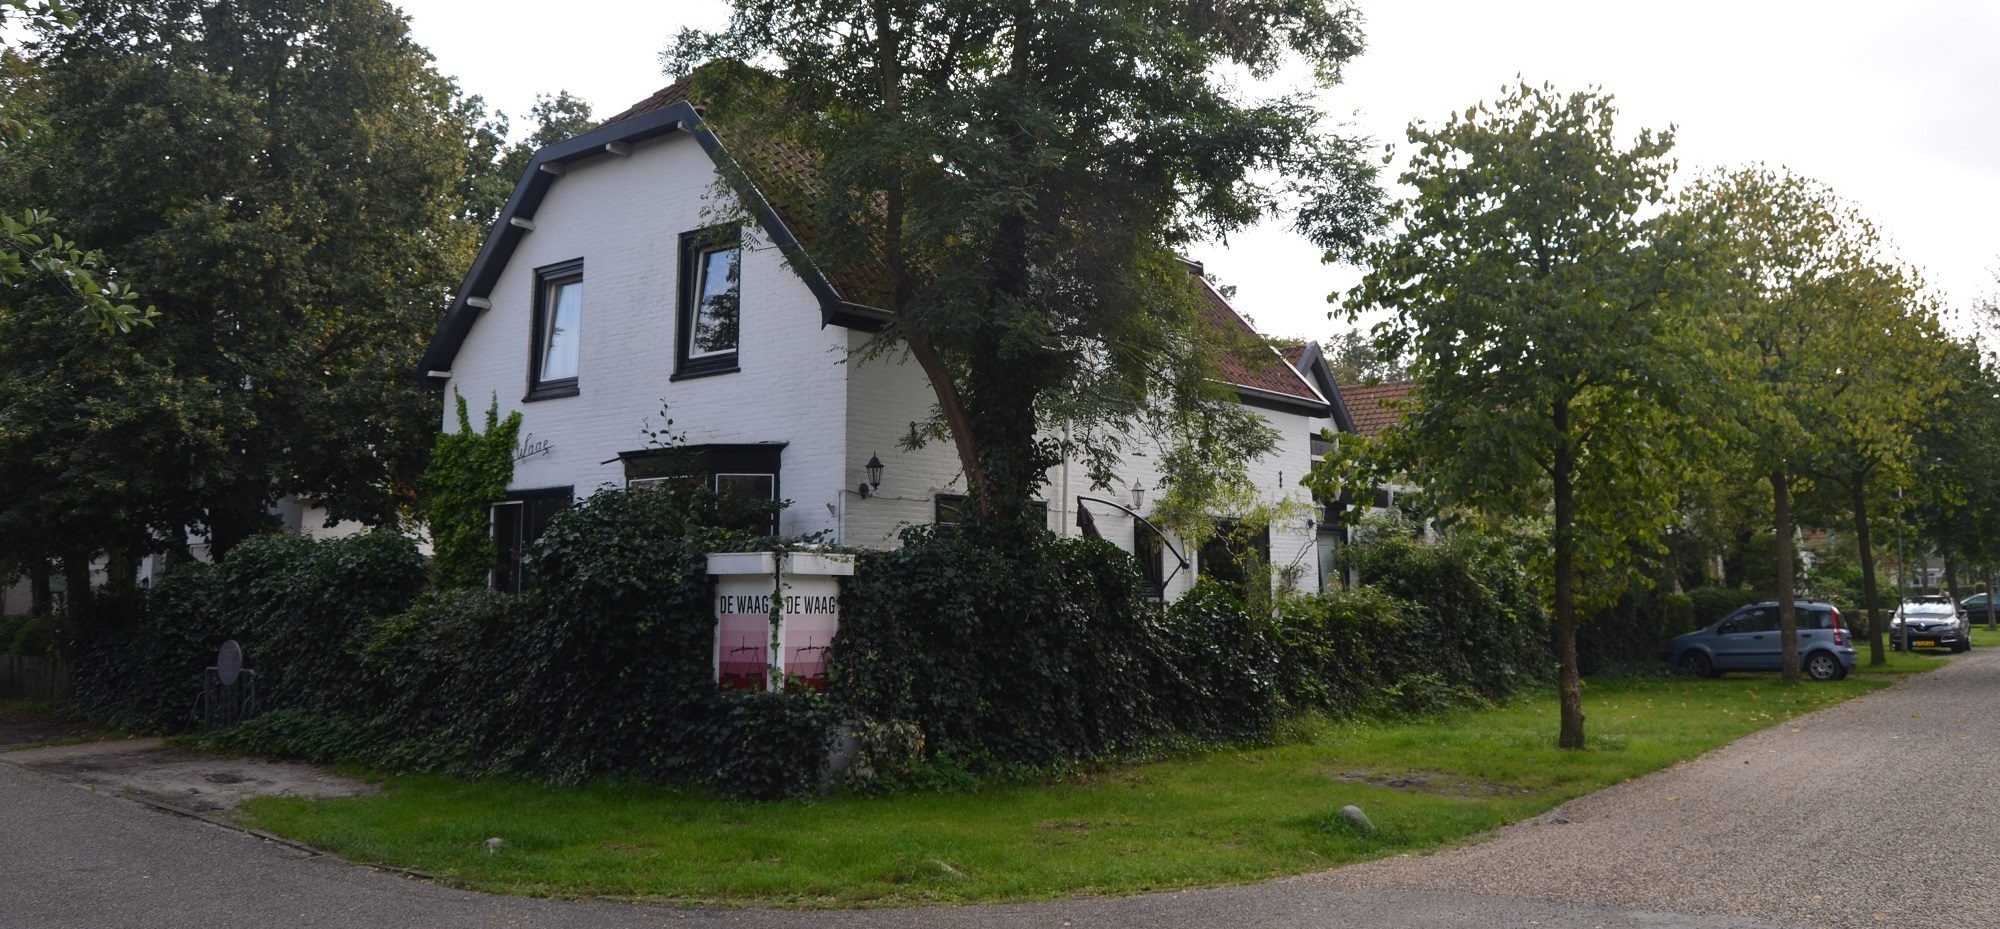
(516, 523)
(747, 471)
(1233, 554)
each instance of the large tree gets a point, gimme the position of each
(1534, 303)
(1015, 179)
(1782, 251)
(285, 177)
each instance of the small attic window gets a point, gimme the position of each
(711, 301)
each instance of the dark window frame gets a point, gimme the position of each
(531, 506)
(657, 467)
(694, 246)
(547, 279)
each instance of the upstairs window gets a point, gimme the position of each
(711, 301)
(554, 357)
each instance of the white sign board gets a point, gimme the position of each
(749, 653)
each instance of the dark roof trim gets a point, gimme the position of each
(1312, 364)
(534, 186)
(1283, 403)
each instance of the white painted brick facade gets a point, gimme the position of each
(624, 216)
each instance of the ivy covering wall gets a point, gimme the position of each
(468, 471)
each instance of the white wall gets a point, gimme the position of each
(887, 394)
(624, 216)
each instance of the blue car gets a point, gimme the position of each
(1749, 640)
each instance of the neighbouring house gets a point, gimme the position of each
(607, 290)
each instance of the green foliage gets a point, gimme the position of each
(603, 670)
(1630, 636)
(1044, 657)
(1431, 626)
(29, 634)
(1541, 311)
(1708, 604)
(468, 471)
(232, 157)
(295, 605)
(1013, 183)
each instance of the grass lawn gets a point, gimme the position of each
(1223, 817)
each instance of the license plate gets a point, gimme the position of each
(1926, 643)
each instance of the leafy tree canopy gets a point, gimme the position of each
(1016, 180)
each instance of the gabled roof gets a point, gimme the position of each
(665, 112)
(1264, 372)
(1310, 361)
(1374, 407)
(843, 299)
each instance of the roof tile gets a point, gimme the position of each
(1375, 406)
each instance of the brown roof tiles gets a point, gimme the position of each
(1375, 406)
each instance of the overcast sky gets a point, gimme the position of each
(1896, 105)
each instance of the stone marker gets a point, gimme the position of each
(1358, 819)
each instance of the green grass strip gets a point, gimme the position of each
(1223, 817)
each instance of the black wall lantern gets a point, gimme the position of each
(874, 482)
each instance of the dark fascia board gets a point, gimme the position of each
(1313, 364)
(1283, 403)
(534, 186)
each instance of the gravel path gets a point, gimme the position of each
(1882, 811)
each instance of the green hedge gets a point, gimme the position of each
(1432, 626)
(958, 659)
(1043, 657)
(295, 605)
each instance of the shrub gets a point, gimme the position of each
(1709, 604)
(293, 604)
(1478, 615)
(1043, 656)
(1632, 634)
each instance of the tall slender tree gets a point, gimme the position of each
(1782, 251)
(1536, 305)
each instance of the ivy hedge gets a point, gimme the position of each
(958, 660)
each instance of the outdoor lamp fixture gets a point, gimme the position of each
(1138, 494)
(874, 467)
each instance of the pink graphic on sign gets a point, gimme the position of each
(809, 638)
(744, 640)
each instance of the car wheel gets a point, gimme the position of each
(1822, 666)
(1697, 664)
(1962, 644)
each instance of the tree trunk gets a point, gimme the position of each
(1788, 620)
(41, 593)
(1569, 682)
(121, 573)
(1867, 553)
(1992, 611)
(76, 586)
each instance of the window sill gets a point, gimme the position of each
(707, 367)
(554, 391)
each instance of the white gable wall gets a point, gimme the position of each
(624, 217)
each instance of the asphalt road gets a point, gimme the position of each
(1791, 827)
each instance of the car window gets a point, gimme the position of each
(1815, 619)
(1755, 619)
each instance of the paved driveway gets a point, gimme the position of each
(1786, 828)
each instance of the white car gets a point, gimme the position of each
(1929, 622)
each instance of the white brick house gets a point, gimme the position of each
(597, 299)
